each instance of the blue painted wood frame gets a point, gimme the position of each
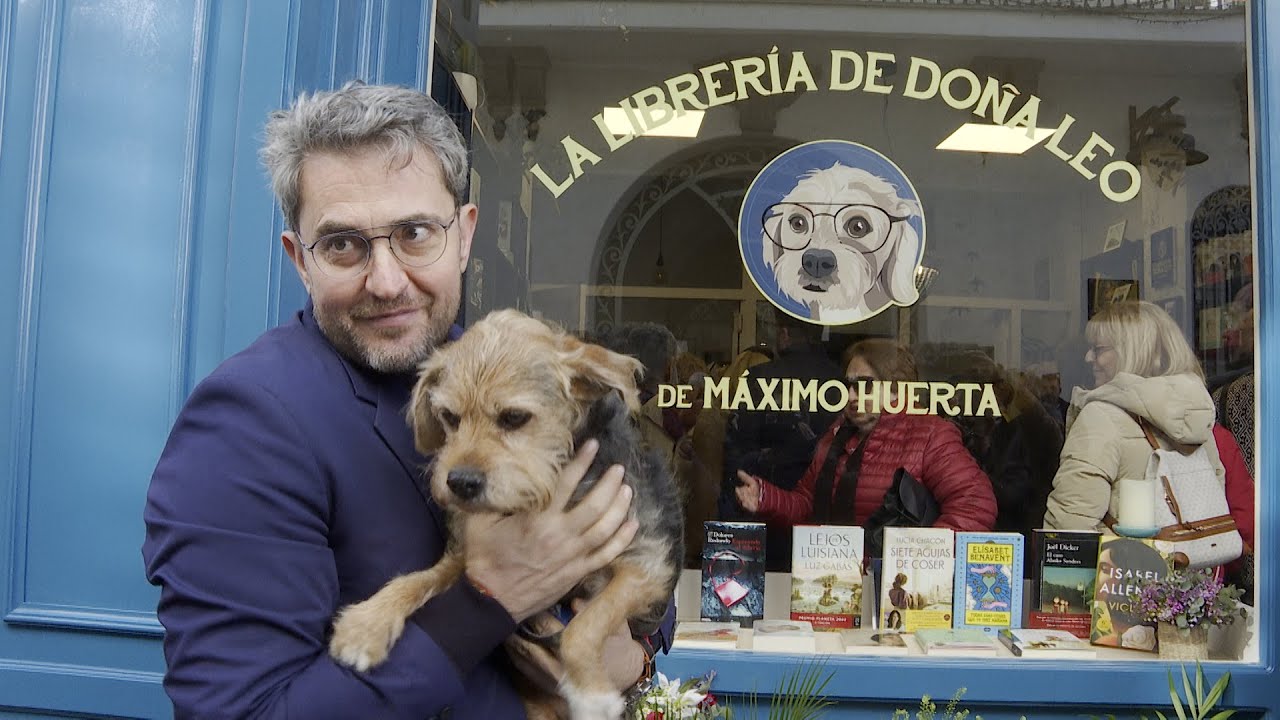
(1044, 689)
(139, 246)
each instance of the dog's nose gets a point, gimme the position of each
(467, 484)
(818, 263)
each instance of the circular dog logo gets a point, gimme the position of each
(832, 232)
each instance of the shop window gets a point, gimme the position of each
(941, 179)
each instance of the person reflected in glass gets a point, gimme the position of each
(1144, 368)
(854, 462)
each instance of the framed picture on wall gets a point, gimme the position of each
(1107, 291)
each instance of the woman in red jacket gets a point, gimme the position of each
(844, 488)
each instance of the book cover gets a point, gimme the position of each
(1123, 563)
(964, 642)
(732, 571)
(706, 635)
(866, 641)
(1027, 642)
(826, 576)
(790, 636)
(1063, 575)
(916, 578)
(988, 580)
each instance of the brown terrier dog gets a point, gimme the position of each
(502, 410)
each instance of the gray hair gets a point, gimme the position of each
(356, 117)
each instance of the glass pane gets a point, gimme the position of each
(782, 183)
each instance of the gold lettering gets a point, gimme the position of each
(712, 388)
(767, 399)
(913, 390)
(713, 84)
(747, 71)
(557, 189)
(1054, 144)
(682, 89)
(842, 391)
(799, 73)
(838, 60)
(975, 88)
(999, 98)
(875, 71)
(615, 142)
(912, 90)
(940, 395)
(1087, 153)
(800, 391)
(1135, 181)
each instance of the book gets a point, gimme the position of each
(866, 641)
(1027, 642)
(1123, 563)
(791, 636)
(988, 581)
(732, 571)
(826, 576)
(962, 642)
(706, 634)
(916, 578)
(1063, 575)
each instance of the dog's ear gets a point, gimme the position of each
(595, 370)
(428, 436)
(899, 272)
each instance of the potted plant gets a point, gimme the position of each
(1184, 603)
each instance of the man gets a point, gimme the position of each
(290, 486)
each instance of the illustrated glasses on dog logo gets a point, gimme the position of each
(861, 226)
(345, 254)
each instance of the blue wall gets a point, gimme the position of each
(139, 245)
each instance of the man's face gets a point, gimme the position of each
(390, 316)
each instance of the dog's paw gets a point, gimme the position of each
(363, 635)
(592, 705)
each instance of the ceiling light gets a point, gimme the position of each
(975, 137)
(686, 125)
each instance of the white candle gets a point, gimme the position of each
(1137, 501)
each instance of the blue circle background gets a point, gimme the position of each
(780, 176)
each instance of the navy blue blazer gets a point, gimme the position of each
(290, 487)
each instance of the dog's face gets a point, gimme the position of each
(839, 235)
(499, 407)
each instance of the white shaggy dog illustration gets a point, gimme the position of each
(840, 243)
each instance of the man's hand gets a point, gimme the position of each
(748, 492)
(528, 562)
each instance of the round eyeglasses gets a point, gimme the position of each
(791, 225)
(416, 243)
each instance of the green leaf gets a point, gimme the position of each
(1200, 708)
(1215, 692)
(1177, 702)
(1186, 688)
(1223, 715)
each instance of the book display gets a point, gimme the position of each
(789, 636)
(706, 635)
(1063, 575)
(866, 641)
(988, 581)
(1123, 563)
(916, 579)
(826, 576)
(961, 643)
(1026, 642)
(733, 571)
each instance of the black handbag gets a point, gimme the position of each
(907, 503)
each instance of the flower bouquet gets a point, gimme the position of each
(677, 699)
(1184, 603)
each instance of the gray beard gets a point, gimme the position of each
(342, 336)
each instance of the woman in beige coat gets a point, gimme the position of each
(1142, 365)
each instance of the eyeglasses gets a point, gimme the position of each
(853, 382)
(346, 254)
(791, 225)
(1096, 350)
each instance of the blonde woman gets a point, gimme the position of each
(1142, 366)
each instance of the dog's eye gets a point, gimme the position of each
(450, 419)
(512, 419)
(858, 227)
(799, 223)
